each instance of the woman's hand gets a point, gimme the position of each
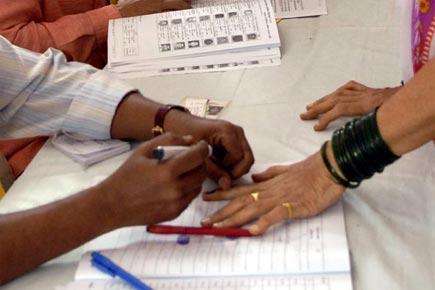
(238, 157)
(306, 187)
(144, 7)
(352, 99)
(145, 191)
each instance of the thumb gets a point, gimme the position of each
(166, 139)
(269, 173)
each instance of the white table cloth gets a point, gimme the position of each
(390, 220)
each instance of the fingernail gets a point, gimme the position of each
(224, 182)
(218, 225)
(255, 230)
(188, 138)
(206, 221)
(212, 191)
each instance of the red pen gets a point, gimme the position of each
(221, 232)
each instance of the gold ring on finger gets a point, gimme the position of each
(255, 195)
(289, 208)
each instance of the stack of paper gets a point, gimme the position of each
(211, 38)
(88, 152)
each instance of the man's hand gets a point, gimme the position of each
(352, 99)
(135, 116)
(238, 158)
(147, 191)
(144, 7)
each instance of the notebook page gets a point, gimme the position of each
(317, 282)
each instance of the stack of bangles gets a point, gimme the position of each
(359, 150)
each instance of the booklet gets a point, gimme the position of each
(230, 35)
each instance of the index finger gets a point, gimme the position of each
(233, 192)
(190, 159)
(243, 166)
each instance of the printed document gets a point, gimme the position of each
(303, 254)
(211, 38)
(282, 8)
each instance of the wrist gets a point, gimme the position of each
(331, 157)
(107, 206)
(182, 123)
(325, 172)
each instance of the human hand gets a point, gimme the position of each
(306, 187)
(349, 100)
(146, 191)
(144, 7)
(238, 158)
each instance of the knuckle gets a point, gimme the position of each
(227, 126)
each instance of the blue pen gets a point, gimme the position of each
(107, 266)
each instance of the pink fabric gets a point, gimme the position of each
(20, 152)
(423, 27)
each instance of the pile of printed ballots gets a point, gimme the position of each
(213, 36)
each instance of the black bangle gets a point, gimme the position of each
(359, 150)
(332, 171)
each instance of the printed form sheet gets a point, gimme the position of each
(308, 282)
(211, 38)
(282, 8)
(245, 24)
(316, 245)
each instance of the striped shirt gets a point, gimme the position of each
(45, 94)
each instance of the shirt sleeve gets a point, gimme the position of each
(79, 36)
(45, 94)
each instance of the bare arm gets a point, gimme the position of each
(142, 191)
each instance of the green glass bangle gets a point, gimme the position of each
(333, 172)
(351, 155)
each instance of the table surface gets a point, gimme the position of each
(390, 221)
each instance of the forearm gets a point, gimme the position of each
(32, 237)
(407, 120)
